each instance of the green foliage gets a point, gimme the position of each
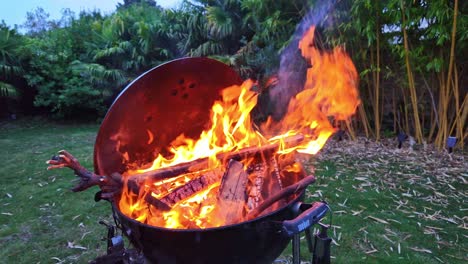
(9, 43)
(8, 90)
(244, 32)
(37, 22)
(106, 52)
(11, 68)
(81, 63)
(428, 24)
(59, 88)
(82, 66)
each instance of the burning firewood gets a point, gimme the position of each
(273, 184)
(186, 167)
(112, 185)
(266, 180)
(191, 187)
(232, 193)
(259, 172)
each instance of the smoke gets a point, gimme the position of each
(292, 70)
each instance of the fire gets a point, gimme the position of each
(330, 90)
(231, 129)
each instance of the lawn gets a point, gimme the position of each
(390, 205)
(393, 205)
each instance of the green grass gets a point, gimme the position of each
(40, 218)
(388, 200)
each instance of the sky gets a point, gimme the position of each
(14, 11)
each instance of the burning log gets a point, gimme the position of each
(274, 169)
(255, 194)
(192, 187)
(113, 185)
(178, 194)
(232, 193)
(186, 167)
(266, 180)
(273, 184)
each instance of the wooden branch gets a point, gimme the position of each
(178, 194)
(156, 202)
(87, 179)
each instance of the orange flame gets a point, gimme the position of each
(330, 90)
(231, 129)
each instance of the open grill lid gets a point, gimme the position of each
(171, 99)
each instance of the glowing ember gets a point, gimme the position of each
(330, 90)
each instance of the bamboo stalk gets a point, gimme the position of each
(441, 133)
(452, 46)
(377, 111)
(457, 103)
(462, 114)
(364, 120)
(405, 110)
(370, 91)
(412, 88)
(446, 90)
(434, 107)
(394, 106)
(458, 122)
(375, 97)
(463, 120)
(350, 129)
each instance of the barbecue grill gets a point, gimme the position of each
(172, 99)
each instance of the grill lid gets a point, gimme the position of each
(171, 99)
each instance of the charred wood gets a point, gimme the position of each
(190, 188)
(272, 184)
(258, 175)
(265, 181)
(295, 188)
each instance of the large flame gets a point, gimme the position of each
(330, 91)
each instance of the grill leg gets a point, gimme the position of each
(296, 248)
(322, 247)
(310, 246)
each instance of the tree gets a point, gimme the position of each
(62, 89)
(128, 3)
(245, 34)
(10, 67)
(37, 22)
